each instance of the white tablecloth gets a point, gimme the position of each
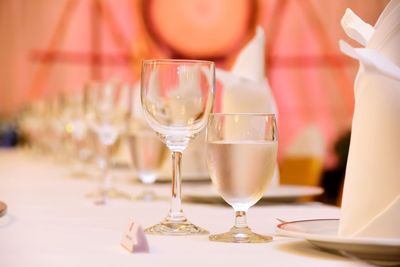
(50, 223)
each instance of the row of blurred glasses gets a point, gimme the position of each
(177, 97)
(88, 128)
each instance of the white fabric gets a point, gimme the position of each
(246, 88)
(371, 196)
(50, 223)
(356, 28)
(386, 38)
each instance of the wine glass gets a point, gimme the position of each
(177, 97)
(148, 154)
(241, 157)
(78, 128)
(107, 124)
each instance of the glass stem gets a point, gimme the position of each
(240, 219)
(175, 212)
(79, 165)
(148, 193)
(104, 166)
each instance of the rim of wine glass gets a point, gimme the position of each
(243, 114)
(177, 61)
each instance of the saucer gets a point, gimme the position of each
(322, 233)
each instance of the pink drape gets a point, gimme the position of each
(311, 80)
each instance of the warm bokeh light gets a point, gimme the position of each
(55, 46)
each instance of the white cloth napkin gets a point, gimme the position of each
(386, 37)
(246, 89)
(371, 196)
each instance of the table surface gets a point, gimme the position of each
(50, 222)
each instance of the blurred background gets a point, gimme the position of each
(52, 47)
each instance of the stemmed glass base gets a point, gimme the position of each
(146, 195)
(176, 222)
(79, 173)
(171, 227)
(101, 195)
(240, 235)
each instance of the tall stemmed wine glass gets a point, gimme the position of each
(107, 124)
(241, 157)
(177, 97)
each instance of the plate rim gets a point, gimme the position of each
(317, 191)
(312, 191)
(392, 242)
(187, 177)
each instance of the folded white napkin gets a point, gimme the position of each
(386, 37)
(245, 88)
(356, 28)
(371, 195)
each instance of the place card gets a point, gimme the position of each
(134, 239)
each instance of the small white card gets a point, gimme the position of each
(134, 239)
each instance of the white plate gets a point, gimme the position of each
(284, 193)
(323, 234)
(186, 177)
